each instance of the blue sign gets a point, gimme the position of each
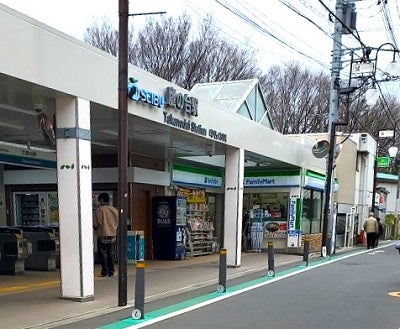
(139, 94)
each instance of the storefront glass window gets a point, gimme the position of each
(311, 221)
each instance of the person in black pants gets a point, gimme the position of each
(371, 228)
(105, 222)
(380, 232)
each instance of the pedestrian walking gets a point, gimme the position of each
(371, 228)
(105, 222)
(380, 232)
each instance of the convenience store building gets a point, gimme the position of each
(214, 143)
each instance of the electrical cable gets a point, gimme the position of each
(226, 28)
(388, 23)
(255, 11)
(265, 31)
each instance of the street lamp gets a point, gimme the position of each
(366, 69)
(393, 151)
(392, 70)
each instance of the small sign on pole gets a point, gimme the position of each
(382, 162)
(360, 68)
(386, 133)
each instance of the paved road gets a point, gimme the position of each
(359, 292)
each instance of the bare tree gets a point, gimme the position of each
(102, 35)
(172, 49)
(160, 47)
(297, 99)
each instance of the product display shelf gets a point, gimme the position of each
(200, 242)
(29, 213)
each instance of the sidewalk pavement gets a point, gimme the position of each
(33, 300)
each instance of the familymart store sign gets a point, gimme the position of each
(272, 178)
(196, 176)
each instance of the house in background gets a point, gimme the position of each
(386, 194)
(354, 174)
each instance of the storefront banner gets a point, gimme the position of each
(317, 181)
(28, 157)
(193, 197)
(275, 229)
(272, 181)
(314, 182)
(196, 178)
(294, 223)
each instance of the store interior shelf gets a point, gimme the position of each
(200, 242)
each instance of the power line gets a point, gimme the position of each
(263, 18)
(266, 32)
(388, 23)
(232, 34)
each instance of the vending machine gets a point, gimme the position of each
(35, 208)
(169, 223)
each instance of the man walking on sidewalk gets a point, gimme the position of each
(105, 222)
(371, 228)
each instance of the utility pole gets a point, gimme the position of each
(333, 113)
(122, 149)
(123, 11)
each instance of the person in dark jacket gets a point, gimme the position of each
(380, 232)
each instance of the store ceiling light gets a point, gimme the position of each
(17, 109)
(11, 125)
(103, 144)
(109, 132)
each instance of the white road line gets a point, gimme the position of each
(241, 291)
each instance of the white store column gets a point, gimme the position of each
(234, 176)
(74, 174)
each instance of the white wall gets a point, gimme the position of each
(48, 48)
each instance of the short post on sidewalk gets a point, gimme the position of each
(222, 271)
(306, 251)
(271, 260)
(138, 312)
(328, 245)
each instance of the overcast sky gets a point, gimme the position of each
(280, 30)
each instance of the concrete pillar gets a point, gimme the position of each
(74, 173)
(234, 176)
(3, 218)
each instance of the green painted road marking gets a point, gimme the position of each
(197, 302)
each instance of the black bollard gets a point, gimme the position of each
(138, 312)
(306, 252)
(222, 271)
(271, 261)
(328, 245)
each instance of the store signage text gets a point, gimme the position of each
(186, 104)
(292, 215)
(293, 223)
(193, 127)
(139, 94)
(16, 155)
(163, 214)
(272, 181)
(179, 176)
(183, 102)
